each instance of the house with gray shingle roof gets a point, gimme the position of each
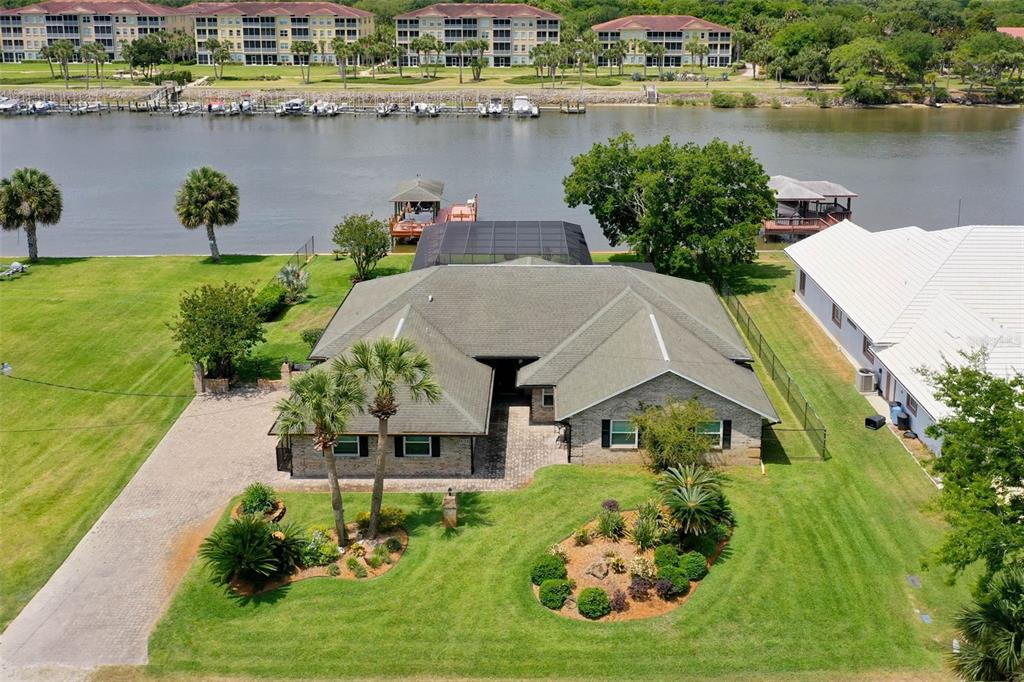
(585, 346)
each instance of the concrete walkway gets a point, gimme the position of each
(102, 603)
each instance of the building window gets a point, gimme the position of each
(346, 446)
(547, 396)
(712, 430)
(623, 434)
(416, 446)
(803, 282)
(911, 405)
(865, 348)
(837, 315)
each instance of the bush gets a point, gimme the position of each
(581, 536)
(394, 545)
(554, 592)
(381, 552)
(556, 550)
(547, 567)
(705, 544)
(748, 99)
(333, 570)
(364, 239)
(645, 533)
(593, 603)
(676, 578)
(391, 518)
(664, 588)
(258, 498)
(822, 99)
(866, 90)
(352, 563)
(639, 588)
(244, 549)
(618, 601)
(321, 549)
(693, 565)
(295, 280)
(356, 549)
(637, 76)
(775, 103)
(641, 567)
(617, 564)
(666, 555)
(611, 525)
(289, 546)
(374, 561)
(311, 336)
(610, 505)
(217, 326)
(723, 100)
(270, 301)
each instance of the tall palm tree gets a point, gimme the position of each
(63, 51)
(382, 368)
(993, 627)
(322, 401)
(46, 53)
(305, 48)
(207, 198)
(29, 198)
(343, 51)
(460, 50)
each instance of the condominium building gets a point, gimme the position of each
(111, 23)
(511, 31)
(263, 32)
(674, 32)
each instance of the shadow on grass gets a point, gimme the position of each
(755, 278)
(386, 272)
(474, 510)
(259, 367)
(263, 598)
(235, 259)
(772, 450)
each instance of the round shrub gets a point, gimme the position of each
(639, 588)
(610, 505)
(642, 567)
(723, 100)
(674, 575)
(665, 589)
(693, 565)
(593, 603)
(258, 498)
(553, 593)
(705, 544)
(666, 555)
(547, 567)
(321, 549)
(618, 602)
(393, 545)
(390, 518)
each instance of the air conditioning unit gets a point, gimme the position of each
(865, 380)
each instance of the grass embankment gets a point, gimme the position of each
(100, 323)
(814, 583)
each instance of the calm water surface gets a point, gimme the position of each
(298, 177)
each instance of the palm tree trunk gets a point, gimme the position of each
(337, 505)
(49, 62)
(377, 497)
(214, 251)
(33, 247)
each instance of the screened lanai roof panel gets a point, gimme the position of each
(500, 240)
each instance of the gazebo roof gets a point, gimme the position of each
(791, 189)
(418, 190)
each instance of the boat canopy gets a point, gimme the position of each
(418, 191)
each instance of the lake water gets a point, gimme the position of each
(299, 176)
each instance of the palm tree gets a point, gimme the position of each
(29, 198)
(382, 368)
(993, 627)
(97, 54)
(322, 401)
(343, 51)
(63, 51)
(207, 198)
(47, 54)
(460, 49)
(305, 48)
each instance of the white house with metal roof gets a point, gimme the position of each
(899, 300)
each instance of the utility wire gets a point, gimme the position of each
(85, 389)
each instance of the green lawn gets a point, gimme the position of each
(814, 583)
(100, 323)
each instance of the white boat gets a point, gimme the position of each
(344, 106)
(293, 107)
(419, 108)
(245, 107)
(43, 107)
(522, 107)
(323, 108)
(184, 109)
(86, 108)
(216, 108)
(481, 109)
(10, 107)
(386, 108)
(495, 107)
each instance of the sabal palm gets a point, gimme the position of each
(322, 401)
(343, 51)
(382, 368)
(994, 631)
(29, 197)
(207, 198)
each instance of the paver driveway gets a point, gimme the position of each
(102, 603)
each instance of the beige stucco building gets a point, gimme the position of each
(672, 31)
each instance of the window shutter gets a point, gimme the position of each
(364, 446)
(726, 434)
(399, 450)
(606, 433)
(435, 446)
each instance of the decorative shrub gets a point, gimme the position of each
(352, 563)
(381, 552)
(553, 593)
(693, 565)
(642, 567)
(394, 545)
(748, 99)
(775, 103)
(289, 547)
(618, 601)
(295, 280)
(610, 505)
(356, 549)
(581, 536)
(611, 525)
(556, 550)
(639, 588)
(679, 581)
(664, 588)
(666, 555)
(321, 549)
(374, 561)
(705, 544)
(647, 529)
(723, 100)
(333, 570)
(720, 532)
(243, 548)
(391, 518)
(258, 498)
(311, 336)
(547, 567)
(593, 603)
(270, 300)
(617, 564)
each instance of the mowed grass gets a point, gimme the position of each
(813, 585)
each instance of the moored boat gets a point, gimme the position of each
(522, 107)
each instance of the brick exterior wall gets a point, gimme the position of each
(586, 425)
(456, 460)
(538, 413)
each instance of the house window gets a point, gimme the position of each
(623, 434)
(911, 405)
(837, 315)
(803, 281)
(865, 348)
(346, 446)
(547, 396)
(712, 430)
(416, 446)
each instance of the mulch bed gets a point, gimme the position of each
(245, 589)
(581, 557)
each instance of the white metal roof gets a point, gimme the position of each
(922, 296)
(791, 189)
